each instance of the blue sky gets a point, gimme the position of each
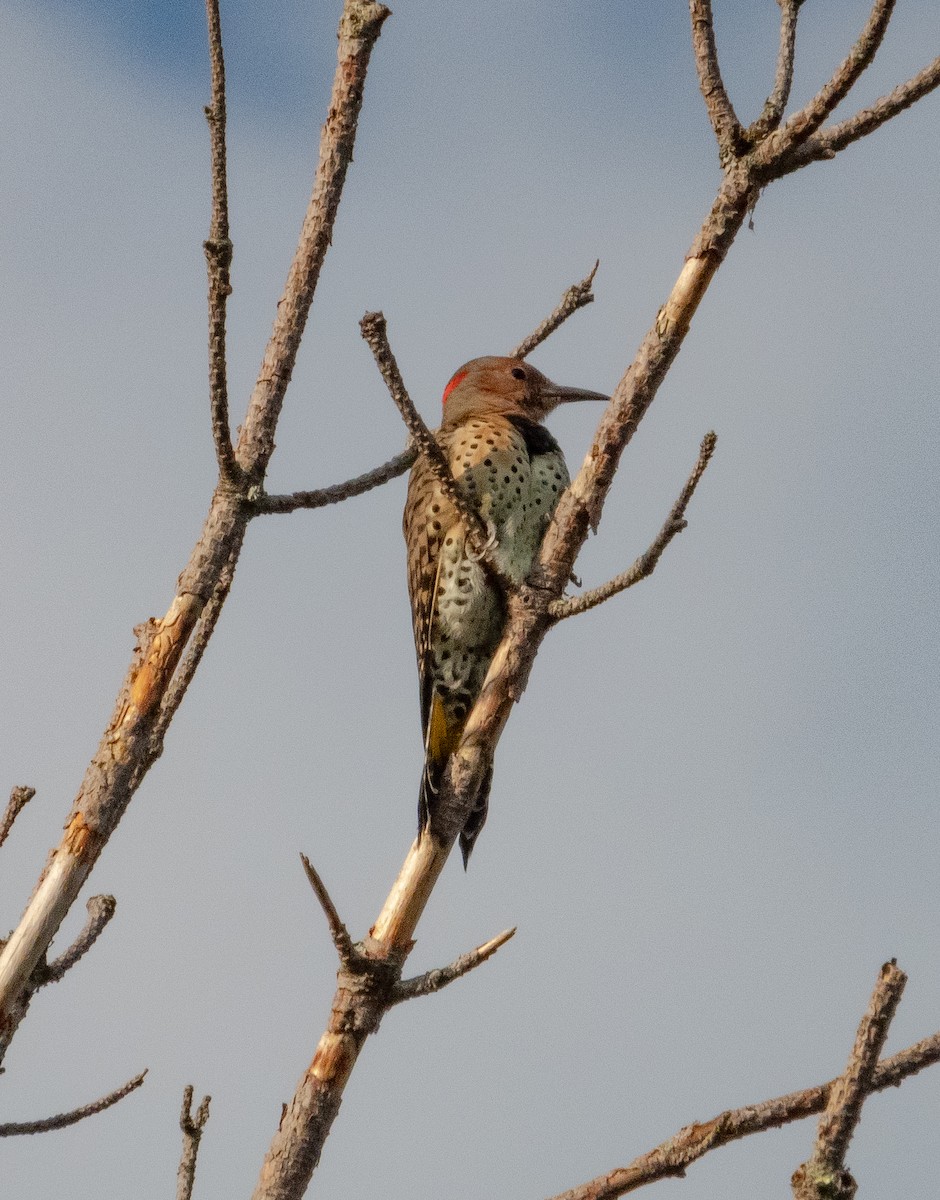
(714, 813)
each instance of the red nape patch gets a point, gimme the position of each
(458, 378)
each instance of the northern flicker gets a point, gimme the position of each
(511, 468)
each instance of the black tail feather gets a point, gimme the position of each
(428, 808)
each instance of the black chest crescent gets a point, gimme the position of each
(536, 437)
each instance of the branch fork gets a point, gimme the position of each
(192, 1125)
(646, 564)
(824, 1176)
(367, 968)
(368, 984)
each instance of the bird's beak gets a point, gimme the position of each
(556, 394)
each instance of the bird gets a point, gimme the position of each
(507, 464)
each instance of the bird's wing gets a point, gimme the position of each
(424, 532)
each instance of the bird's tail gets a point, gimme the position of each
(477, 818)
(443, 737)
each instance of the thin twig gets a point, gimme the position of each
(218, 250)
(776, 102)
(359, 29)
(192, 1126)
(13, 1128)
(823, 1176)
(338, 931)
(338, 492)
(19, 798)
(672, 1157)
(646, 564)
(479, 538)
(433, 981)
(199, 640)
(721, 114)
(804, 123)
(575, 297)
(100, 911)
(375, 331)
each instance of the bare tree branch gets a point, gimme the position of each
(799, 127)
(827, 142)
(337, 492)
(776, 102)
(338, 931)
(357, 1010)
(646, 564)
(192, 1125)
(205, 627)
(724, 121)
(19, 798)
(100, 911)
(14, 1128)
(218, 249)
(844, 1107)
(433, 981)
(359, 29)
(672, 1157)
(131, 741)
(823, 1176)
(575, 297)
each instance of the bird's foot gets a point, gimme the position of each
(490, 544)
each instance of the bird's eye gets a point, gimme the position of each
(517, 373)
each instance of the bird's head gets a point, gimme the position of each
(509, 386)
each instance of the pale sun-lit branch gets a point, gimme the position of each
(575, 297)
(823, 1176)
(100, 910)
(728, 130)
(361, 999)
(646, 564)
(433, 981)
(62, 1120)
(19, 798)
(218, 250)
(338, 931)
(192, 1126)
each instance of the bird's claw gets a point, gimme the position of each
(490, 544)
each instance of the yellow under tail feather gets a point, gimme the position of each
(443, 732)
